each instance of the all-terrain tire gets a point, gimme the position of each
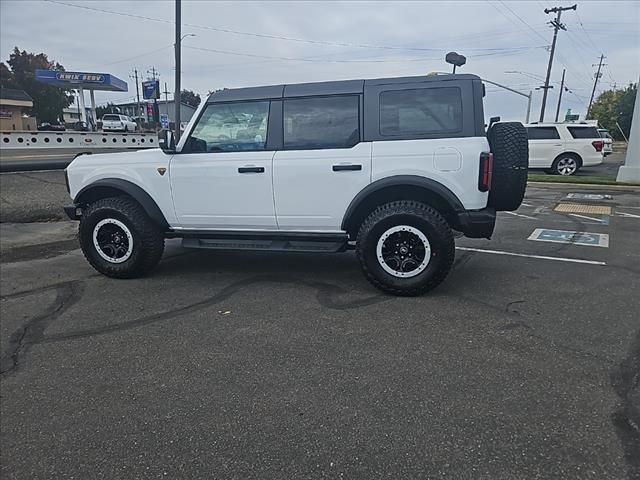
(510, 147)
(419, 216)
(148, 239)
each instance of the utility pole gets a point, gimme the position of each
(595, 84)
(556, 26)
(176, 95)
(153, 72)
(166, 98)
(560, 96)
(135, 76)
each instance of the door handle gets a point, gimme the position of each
(344, 168)
(251, 170)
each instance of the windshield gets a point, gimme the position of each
(111, 118)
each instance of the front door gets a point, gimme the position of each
(223, 177)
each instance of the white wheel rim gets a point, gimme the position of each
(567, 166)
(117, 248)
(403, 251)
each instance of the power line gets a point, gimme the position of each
(586, 33)
(279, 37)
(521, 20)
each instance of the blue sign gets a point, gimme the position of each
(85, 80)
(164, 121)
(151, 89)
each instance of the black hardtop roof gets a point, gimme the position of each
(338, 87)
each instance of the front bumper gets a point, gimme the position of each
(476, 223)
(73, 211)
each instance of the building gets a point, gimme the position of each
(72, 113)
(14, 104)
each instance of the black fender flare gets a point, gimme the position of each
(134, 191)
(427, 184)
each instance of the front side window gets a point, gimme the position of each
(321, 122)
(583, 132)
(423, 111)
(231, 127)
(543, 133)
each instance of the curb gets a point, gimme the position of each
(629, 188)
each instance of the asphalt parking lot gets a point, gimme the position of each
(524, 364)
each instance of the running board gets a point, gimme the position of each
(304, 245)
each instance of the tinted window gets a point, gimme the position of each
(111, 118)
(327, 122)
(583, 132)
(420, 111)
(231, 127)
(543, 133)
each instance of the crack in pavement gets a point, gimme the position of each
(32, 332)
(68, 293)
(625, 381)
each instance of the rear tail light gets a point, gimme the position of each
(598, 145)
(486, 171)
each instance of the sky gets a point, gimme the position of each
(234, 44)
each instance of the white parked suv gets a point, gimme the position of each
(564, 148)
(390, 167)
(608, 141)
(113, 122)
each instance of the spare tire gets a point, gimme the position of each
(510, 147)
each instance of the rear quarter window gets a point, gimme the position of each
(583, 132)
(420, 111)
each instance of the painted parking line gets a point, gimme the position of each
(521, 215)
(570, 237)
(525, 255)
(626, 215)
(601, 221)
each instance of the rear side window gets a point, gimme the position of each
(420, 111)
(583, 132)
(321, 122)
(543, 133)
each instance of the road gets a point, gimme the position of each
(256, 365)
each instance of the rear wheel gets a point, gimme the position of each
(118, 239)
(405, 248)
(566, 165)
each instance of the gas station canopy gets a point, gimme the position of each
(81, 80)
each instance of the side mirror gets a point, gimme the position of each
(166, 141)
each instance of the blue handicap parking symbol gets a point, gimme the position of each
(567, 236)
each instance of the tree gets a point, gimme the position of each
(190, 98)
(615, 106)
(48, 102)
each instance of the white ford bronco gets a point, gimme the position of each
(390, 167)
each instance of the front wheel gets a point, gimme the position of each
(118, 239)
(405, 248)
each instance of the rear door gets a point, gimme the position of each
(545, 145)
(323, 163)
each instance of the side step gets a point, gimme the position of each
(313, 244)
